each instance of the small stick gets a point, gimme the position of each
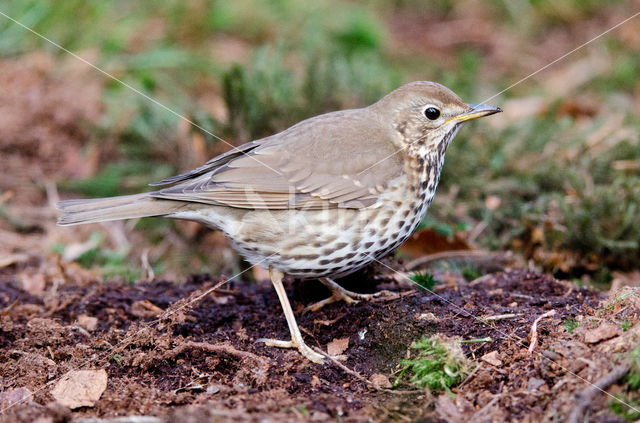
(500, 317)
(586, 396)
(149, 274)
(223, 348)
(475, 340)
(534, 330)
(453, 254)
(470, 376)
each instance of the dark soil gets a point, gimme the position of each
(168, 354)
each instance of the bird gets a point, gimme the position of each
(319, 200)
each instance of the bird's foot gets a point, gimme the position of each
(296, 336)
(303, 348)
(338, 293)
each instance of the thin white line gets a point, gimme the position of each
(562, 57)
(153, 100)
(506, 335)
(520, 81)
(102, 355)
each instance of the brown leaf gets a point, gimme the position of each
(337, 346)
(606, 330)
(145, 309)
(80, 388)
(32, 283)
(380, 381)
(428, 241)
(492, 358)
(87, 322)
(9, 259)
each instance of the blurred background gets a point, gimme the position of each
(555, 178)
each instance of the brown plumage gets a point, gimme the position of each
(320, 199)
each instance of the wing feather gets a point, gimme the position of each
(328, 161)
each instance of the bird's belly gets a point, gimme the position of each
(325, 243)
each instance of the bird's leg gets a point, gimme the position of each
(339, 293)
(296, 337)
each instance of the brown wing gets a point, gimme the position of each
(341, 159)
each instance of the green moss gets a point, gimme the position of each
(570, 325)
(471, 273)
(622, 410)
(424, 280)
(438, 364)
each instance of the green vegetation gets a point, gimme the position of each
(570, 325)
(622, 410)
(439, 364)
(633, 377)
(110, 263)
(424, 280)
(117, 358)
(471, 273)
(620, 299)
(631, 396)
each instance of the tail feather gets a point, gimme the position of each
(115, 208)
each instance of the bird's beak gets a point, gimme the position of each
(477, 111)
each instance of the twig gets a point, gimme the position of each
(534, 330)
(148, 274)
(484, 409)
(470, 376)
(345, 368)
(526, 297)
(453, 254)
(587, 395)
(475, 340)
(500, 317)
(481, 279)
(223, 348)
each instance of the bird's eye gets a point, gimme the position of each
(432, 113)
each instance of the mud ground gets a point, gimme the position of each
(169, 354)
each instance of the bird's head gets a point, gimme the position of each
(426, 116)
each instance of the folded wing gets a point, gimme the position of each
(340, 159)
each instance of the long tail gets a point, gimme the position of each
(115, 208)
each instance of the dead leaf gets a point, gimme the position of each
(145, 309)
(428, 241)
(75, 250)
(534, 384)
(32, 283)
(380, 381)
(80, 388)
(492, 358)
(87, 322)
(9, 259)
(606, 330)
(337, 346)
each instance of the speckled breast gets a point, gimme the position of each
(336, 242)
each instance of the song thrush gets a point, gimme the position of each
(321, 199)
